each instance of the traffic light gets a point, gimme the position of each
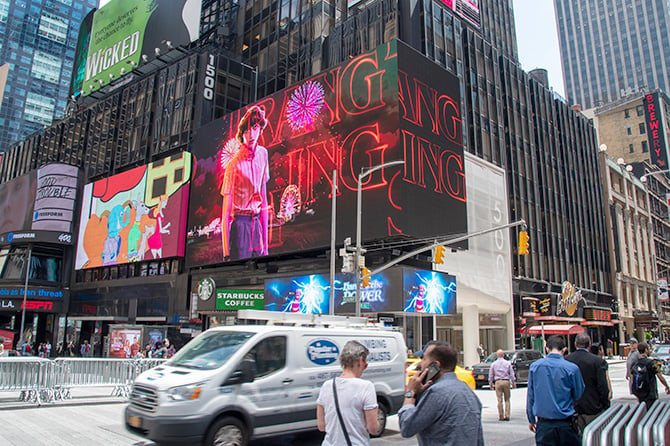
(523, 243)
(366, 280)
(439, 254)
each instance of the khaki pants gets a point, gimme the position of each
(503, 390)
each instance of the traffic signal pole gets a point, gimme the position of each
(443, 241)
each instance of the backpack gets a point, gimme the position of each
(641, 378)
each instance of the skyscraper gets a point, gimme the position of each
(610, 48)
(37, 40)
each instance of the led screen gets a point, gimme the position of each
(38, 206)
(390, 104)
(136, 215)
(126, 33)
(467, 9)
(429, 292)
(125, 342)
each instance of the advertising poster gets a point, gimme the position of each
(126, 33)
(38, 206)
(125, 342)
(275, 183)
(8, 339)
(136, 215)
(429, 292)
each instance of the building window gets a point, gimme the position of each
(642, 128)
(640, 110)
(645, 147)
(4, 10)
(626, 113)
(39, 108)
(631, 148)
(53, 27)
(46, 67)
(629, 130)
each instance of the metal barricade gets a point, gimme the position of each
(630, 424)
(42, 380)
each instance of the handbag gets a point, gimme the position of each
(339, 415)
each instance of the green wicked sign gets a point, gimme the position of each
(239, 299)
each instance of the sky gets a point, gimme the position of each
(537, 39)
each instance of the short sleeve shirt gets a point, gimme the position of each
(354, 395)
(244, 179)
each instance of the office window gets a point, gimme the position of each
(53, 27)
(642, 128)
(640, 110)
(39, 108)
(46, 67)
(631, 148)
(629, 130)
(4, 10)
(645, 147)
(626, 113)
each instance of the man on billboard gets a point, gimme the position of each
(244, 219)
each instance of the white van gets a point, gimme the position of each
(236, 383)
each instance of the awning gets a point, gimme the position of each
(554, 329)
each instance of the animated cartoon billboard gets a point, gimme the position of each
(136, 215)
(429, 292)
(263, 178)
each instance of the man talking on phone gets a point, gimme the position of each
(439, 408)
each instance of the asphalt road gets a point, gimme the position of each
(93, 417)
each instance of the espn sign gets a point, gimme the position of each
(28, 305)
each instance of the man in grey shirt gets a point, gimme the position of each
(633, 358)
(447, 412)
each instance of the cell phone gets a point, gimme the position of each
(432, 371)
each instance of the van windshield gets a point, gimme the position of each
(210, 351)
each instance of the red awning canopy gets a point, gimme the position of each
(554, 329)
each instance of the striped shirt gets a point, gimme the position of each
(245, 177)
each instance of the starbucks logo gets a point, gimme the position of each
(206, 288)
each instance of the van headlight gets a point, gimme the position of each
(185, 393)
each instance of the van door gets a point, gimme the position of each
(267, 395)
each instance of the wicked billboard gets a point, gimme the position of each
(263, 178)
(125, 33)
(135, 215)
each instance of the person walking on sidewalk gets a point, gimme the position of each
(501, 379)
(643, 377)
(554, 385)
(594, 373)
(633, 358)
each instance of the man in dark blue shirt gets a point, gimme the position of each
(554, 385)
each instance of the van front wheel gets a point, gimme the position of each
(227, 431)
(382, 413)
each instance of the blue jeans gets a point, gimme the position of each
(556, 433)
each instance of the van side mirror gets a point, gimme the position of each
(245, 373)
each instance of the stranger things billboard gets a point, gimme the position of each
(390, 104)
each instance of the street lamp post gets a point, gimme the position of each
(25, 297)
(364, 173)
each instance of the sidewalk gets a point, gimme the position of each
(79, 396)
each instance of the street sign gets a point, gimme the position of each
(662, 290)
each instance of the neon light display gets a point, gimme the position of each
(386, 105)
(136, 215)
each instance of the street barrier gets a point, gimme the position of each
(43, 380)
(630, 424)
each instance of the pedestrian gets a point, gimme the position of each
(170, 350)
(69, 349)
(597, 349)
(148, 351)
(2, 347)
(346, 409)
(439, 408)
(482, 352)
(85, 349)
(643, 376)
(160, 351)
(47, 349)
(610, 349)
(596, 397)
(633, 358)
(554, 385)
(501, 379)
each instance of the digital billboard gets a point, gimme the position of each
(428, 292)
(126, 33)
(467, 9)
(136, 215)
(38, 206)
(653, 113)
(263, 178)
